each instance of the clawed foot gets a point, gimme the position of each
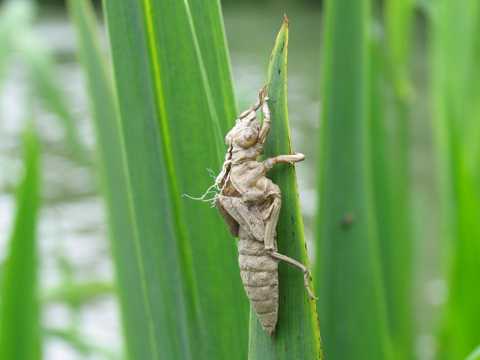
(262, 98)
(307, 278)
(288, 159)
(297, 157)
(262, 95)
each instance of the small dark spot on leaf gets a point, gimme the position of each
(279, 71)
(283, 46)
(347, 221)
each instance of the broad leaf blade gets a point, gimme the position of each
(130, 273)
(19, 307)
(352, 310)
(138, 266)
(192, 121)
(211, 40)
(172, 133)
(297, 335)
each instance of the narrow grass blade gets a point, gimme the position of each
(455, 56)
(390, 138)
(297, 335)
(19, 307)
(398, 16)
(391, 202)
(135, 300)
(172, 124)
(352, 308)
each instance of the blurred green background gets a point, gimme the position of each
(80, 315)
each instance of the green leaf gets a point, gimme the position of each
(475, 355)
(352, 308)
(398, 25)
(19, 307)
(455, 56)
(172, 116)
(130, 268)
(390, 147)
(211, 40)
(297, 335)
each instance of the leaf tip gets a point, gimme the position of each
(285, 20)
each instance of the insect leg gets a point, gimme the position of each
(262, 97)
(262, 137)
(232, 224)
(290, 159)
(271, 222)
(245, 217)
(299, 265)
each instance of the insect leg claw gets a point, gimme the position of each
(307, 277)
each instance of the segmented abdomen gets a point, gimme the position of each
(259, 272)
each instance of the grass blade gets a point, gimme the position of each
(352, 310)
(390, 137)
(19, 307)
(185, 122)
(212, 45)
(455, 55)
(171, 120)
(297, 335)
(156, 249)
(128, 265)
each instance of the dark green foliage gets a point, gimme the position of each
(352, 309)
(173, 112)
